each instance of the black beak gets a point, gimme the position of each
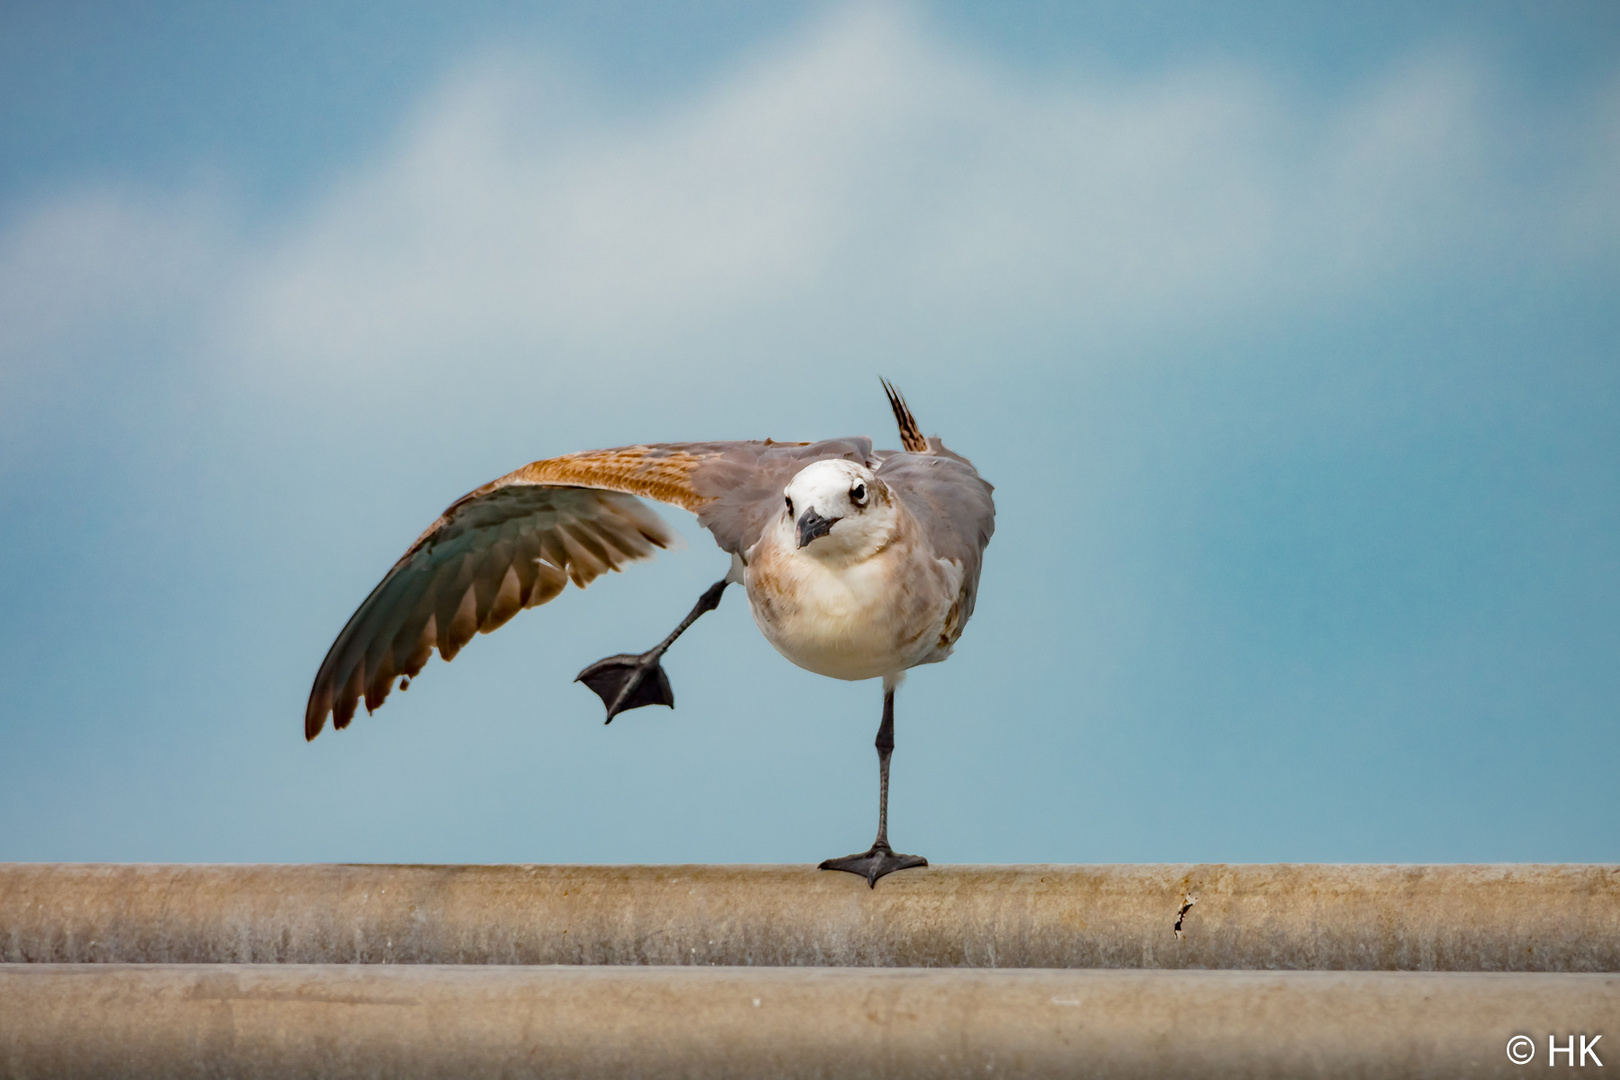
(812, 525)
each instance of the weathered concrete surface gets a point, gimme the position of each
(431, 1021)
(1419, 918)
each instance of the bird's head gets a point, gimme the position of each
(838, 508)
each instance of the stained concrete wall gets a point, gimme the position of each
(1412, 918)
(430, 1021)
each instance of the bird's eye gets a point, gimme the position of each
(789, 501)
(858, 493)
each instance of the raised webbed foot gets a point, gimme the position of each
(873, 864)
(629, 682)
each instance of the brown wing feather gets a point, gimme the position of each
(659, 471)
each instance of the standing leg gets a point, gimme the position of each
(630, 680)
(880, 859)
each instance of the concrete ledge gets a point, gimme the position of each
(1414, 918)
(346, 1020)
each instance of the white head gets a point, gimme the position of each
(838, 508)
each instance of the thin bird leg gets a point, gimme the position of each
(885, 748)
(631, 680)
(706, 603)
(880, 859)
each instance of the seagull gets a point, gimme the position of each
(858, 564)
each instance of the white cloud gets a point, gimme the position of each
(864, 178)
(87, 283)
(97, 259)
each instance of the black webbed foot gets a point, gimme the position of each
(873, 864)
(628, 682)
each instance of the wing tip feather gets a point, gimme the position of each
(911, 436)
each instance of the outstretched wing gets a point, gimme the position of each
(516, 542)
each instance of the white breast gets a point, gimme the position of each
(857, 620)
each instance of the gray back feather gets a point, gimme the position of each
(952, 503)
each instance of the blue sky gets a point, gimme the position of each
(1288, 337)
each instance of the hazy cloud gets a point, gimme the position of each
(870, 170)
(864, 168)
